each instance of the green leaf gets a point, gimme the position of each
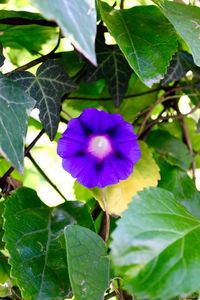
(185, 19)
(113, 66)
(148, 45)
(47, 88)
(34, 237)
(181, 185)
(81, 192)
(77, 19)
(134, 105)
(15, 108)
(4, 269)
(170, 148)
(156, 247)
(119, 195)
(30, 37)
(88, 263)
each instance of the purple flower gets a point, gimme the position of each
(99, 148)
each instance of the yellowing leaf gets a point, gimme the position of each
(118, 196)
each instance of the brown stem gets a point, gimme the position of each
(122, 4)
(105, 225)
(188, 143)
(150, 109)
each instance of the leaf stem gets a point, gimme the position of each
(44, 175)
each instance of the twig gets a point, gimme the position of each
(44, 175)
(117, 293)
(109, 98)
(41, 59)
(66, 113)
(24, 21)
(150, 109)
(165, 118)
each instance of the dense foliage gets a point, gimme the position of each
(139, 238)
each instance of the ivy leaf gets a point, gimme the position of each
(34, 237)
(185, 19)
(15, 108)
(180, 64)
(182, 186)
(155, 244)
(77, 19)
(170, 148)
(118, 196)
(29, 36)
(85, 249)
(113, 66)
(47, 88)
(148, 45)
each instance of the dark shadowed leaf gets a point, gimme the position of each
(186, 20)
(77, 20)
(88, 263)
(47, 88)
(146, 38)
(112, 66)
(34, 237)
(15, 107)
(2, 58)
(170, 148)
(180, 64)
(30, 37)
(156, 243)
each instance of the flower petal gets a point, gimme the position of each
(75, 131)
(129, 149)
(68, 147)
(90, 120)
(123, 132)
(109, 122)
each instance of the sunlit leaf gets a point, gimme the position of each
(118, 196)
(146, 38)
(156, 243)
(77, 20)
(15, 108)
(185, 19)
(85, 249)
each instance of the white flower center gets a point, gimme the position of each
(99, 146)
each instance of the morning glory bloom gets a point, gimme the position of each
(99, 148)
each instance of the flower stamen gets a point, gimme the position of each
(99, 146)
